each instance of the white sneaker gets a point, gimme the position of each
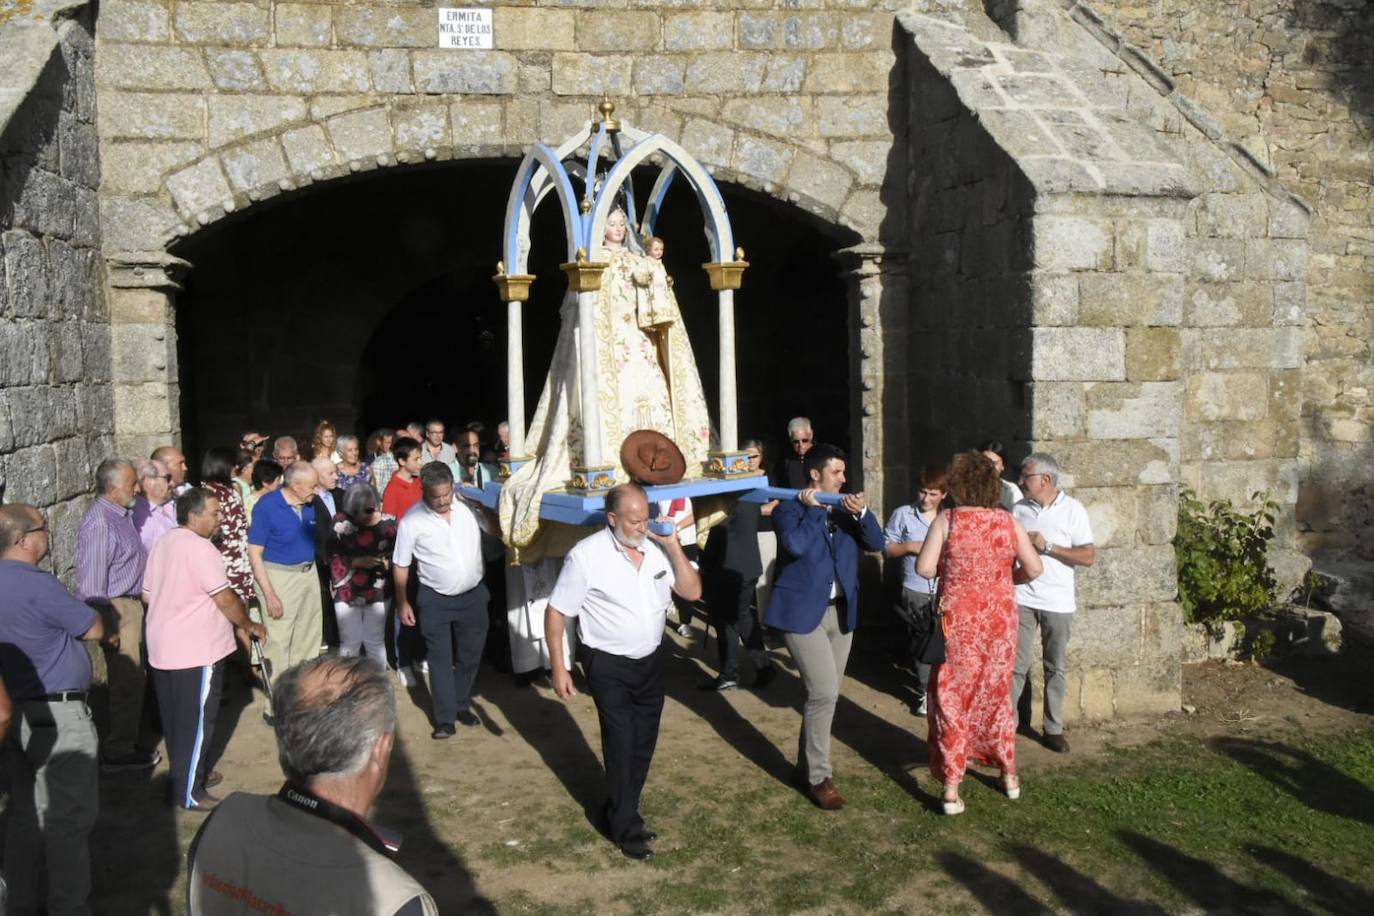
(407, 677)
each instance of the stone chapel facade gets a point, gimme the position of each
(1131, 234)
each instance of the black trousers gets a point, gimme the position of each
(629, 702)
(732, 611)
(498, 630)
(189, 701)
(448, 621)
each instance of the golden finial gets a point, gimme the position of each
(585, 206)
(500, 268)
(607, 109)
(581, 255)
(739, 254)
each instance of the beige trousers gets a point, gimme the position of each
(296, 635)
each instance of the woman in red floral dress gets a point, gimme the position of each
(217, 476)
(359, 550)
(971, 548)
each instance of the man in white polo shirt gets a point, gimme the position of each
(443, 536)
(619, 587)
(1058, 528)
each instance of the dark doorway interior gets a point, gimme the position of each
(368, 301)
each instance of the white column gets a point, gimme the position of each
(515, 378)
(729, 422)
(586, 379)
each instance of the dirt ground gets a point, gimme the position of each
(490, 818)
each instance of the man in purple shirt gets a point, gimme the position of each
(155, 513)
(51, 752)
(109, 577)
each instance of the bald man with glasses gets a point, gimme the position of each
(50, 754)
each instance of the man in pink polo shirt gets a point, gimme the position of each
(192, 613)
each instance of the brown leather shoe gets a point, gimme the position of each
(826, 796)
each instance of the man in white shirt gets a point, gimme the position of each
(443, 537)
(1058, 528)
(619, 589)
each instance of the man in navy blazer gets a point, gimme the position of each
(815, 602)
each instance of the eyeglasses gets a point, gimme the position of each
(801, 440)
(166, 477)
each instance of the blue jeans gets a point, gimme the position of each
(446, 621)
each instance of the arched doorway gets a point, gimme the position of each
(368, 301)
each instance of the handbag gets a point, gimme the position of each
(930, 642)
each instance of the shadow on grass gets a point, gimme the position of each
(1311, 781)
(1336, 895)
(997, 893)
(1202, 882)
(1078, 892)
(424, 854)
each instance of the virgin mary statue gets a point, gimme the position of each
(647, 379)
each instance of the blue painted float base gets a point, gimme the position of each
(576, 509)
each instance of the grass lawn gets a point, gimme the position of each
(1185, 823)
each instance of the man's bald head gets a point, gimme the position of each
(174, 460)
(16, 520)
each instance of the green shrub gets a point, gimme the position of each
(1223, 562)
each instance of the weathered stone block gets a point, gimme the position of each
(864, 212)
(712, 143)
(391, 71)
(324, 107)
(1218, 260)
(440, 71)
(423, 126)
(142, 353)
(223, 23)
(726, 71)
(31, 475)
(1232, 216)
(18, 340)
(1166, 246)
(1208, 304)
(1242, 348)
(1120, 300)
(1149, 689)
(1153, 354)
(95, 407)
(46, 205)
(1237, 480)
(132, 20)
(860, 31)
(1057, 410)
(361, 135)
(97, 354)
(698, 31)
(810, 33)
(142, 67)
(308, 25)
(617, 30)
(235, 70)
(135, 224)
(199, 187)
(531, 29)
(151, 116)
(823, 181)
(562, 119)
(1289, 303)
(1072, 243)
(854, 72)
(659, 75)
(233, 117)
(257, 166)
(1227, 396)
(1276, 259)
(477, 123)
(1287, 220)
(782, 117)
(386, 27)
(853, 116)
(1054, 299)
(1128, 575)
(761, 160)
(308, 150)
(758, 31)
(579, 74)
(1125, 462)
(309, 72)
(868, 159)
(146, 408)
(1078, 354)
(1134, 411)
(25, 274)
(784, 73)
(1105, 636)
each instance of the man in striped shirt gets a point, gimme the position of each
(109, 577)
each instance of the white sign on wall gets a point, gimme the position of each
(465, 28)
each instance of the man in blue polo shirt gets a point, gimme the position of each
(281, 549)
(51, 753)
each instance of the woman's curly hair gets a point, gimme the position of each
(973, 481)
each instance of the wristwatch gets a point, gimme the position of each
(1045, 551)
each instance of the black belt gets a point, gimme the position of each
(63, 696)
